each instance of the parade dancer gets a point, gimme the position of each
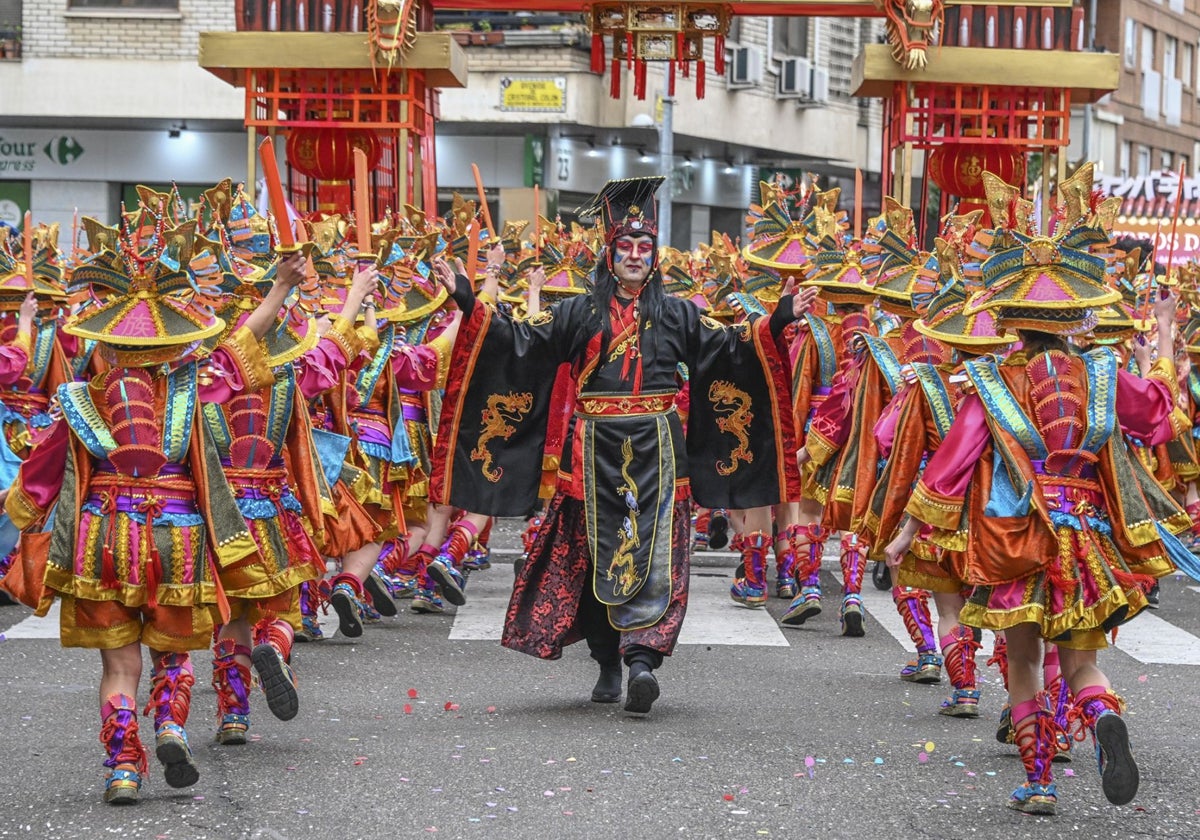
(144, 519)
(262, 435)
(907, 439)
(611, 561)
(1073, 524)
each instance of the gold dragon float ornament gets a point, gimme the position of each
(913, 26)
(645, 31)
(392, 26)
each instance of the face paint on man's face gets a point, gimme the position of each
(633, 249)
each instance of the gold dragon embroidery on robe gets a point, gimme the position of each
(732, 407)
(502, 409)
(622, 567)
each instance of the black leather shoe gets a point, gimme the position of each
(608, 684)
(642, 692)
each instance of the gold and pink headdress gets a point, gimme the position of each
(137, 296)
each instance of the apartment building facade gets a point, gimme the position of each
(99, 95)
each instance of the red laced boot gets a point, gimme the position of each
(1098, 710)
(127, 760)
(959, 648)
(231, 681)
(1036, 738)
(808, 547)
(271, 657)
(171, 700)
(750, 588)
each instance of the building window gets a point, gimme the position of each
(1126, 157)
(1185, 68)
(1130, 50)
(131, 5)
(1167, 161)
(1170, 56)
(1143, 160)
(791, 36)
(1147, 48)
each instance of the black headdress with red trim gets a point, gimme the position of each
(627, 207)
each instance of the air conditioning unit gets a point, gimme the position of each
(820, 85)
(744, 69)
(795, 79)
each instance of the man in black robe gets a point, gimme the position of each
(610, 563)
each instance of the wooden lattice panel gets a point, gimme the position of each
(283, 98)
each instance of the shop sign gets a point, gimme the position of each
(543, 95)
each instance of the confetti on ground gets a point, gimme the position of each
(930, 746)
(408, 708)
(878, 760)
(1068, 772)
(847, 761)
(728, 797)
(1143, 678)
(923, 757)
(412, 694)
(491, 710)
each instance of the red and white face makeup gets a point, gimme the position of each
(632, 259)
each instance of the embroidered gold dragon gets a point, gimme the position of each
(502, 409)
(622, 567)
(732, 407)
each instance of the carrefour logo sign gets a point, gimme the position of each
(23, 155)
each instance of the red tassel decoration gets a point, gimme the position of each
(639, 79)
(614, 89)
(680, 45)
(700, 79)
(629, 49)
(686, 70)
(597, 53)
(671, 79)
(719, 55)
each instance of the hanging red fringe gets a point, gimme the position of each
(639, 79)
(700, 79)
(719, 55)
(671, 79)
(680, 45)
(629, 49)
(614, 89)
(597, 53)
(686, 70)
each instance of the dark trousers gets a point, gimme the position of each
(604, 640)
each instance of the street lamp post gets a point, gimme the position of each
(666, 154)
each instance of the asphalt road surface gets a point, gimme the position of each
(426, 726)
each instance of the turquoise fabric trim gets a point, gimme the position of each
(265, 508)
(175, 520)
(889, 365)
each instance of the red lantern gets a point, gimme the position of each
(958, 169)
(327, 154)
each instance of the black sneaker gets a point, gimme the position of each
(1152, 597)
(718, 530)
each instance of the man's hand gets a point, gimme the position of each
(365, 282)
(537, 278)
(443, 273)
(1142, 353)
(291, 271)
(26, 313)
(1166, 305)
(496, 257)
(897, 548)
(803, 302)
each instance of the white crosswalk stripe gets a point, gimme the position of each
(713, 619)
